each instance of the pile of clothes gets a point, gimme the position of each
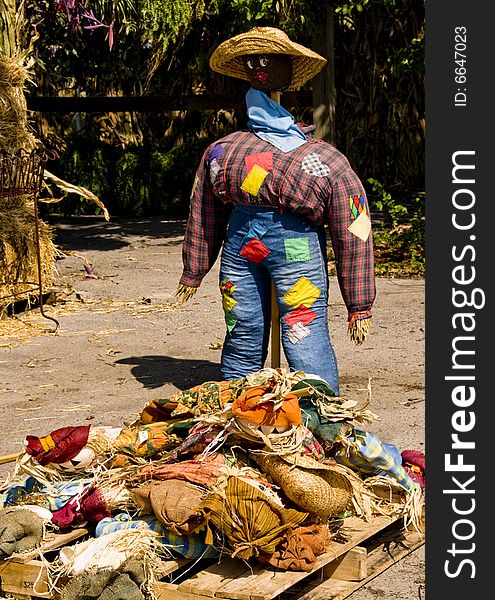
(265, 468)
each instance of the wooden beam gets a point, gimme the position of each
(275, 313)
(105, 104)
(324, 96)
(352, 566)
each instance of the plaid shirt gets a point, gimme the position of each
(314, 180)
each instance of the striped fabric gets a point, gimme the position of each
(52, 501)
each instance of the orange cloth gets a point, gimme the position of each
(249, 406)
(298, 551)
(203, 472)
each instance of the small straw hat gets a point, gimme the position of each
(227, 58)
(319, 489)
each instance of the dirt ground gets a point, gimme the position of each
(123, 341)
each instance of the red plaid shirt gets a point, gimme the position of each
(314, 180)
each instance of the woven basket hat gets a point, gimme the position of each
(322, 490)
(227, 58)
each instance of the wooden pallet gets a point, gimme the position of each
(369, 550)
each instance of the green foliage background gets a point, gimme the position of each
(143, 164)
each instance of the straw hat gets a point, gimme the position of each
(319, 489)
(227, 58)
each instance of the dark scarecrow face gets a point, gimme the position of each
(268, 72)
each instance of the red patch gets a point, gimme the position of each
(255, 250)
(262, 159)
(300, 315)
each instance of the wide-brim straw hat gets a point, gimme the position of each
(227, 58)
(322, 490)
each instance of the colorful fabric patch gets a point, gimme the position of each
(214, 168)
(255, 251)
(298, 332)
(256, 230)
(230, 321)
(216, 152)
(312, 164)
(302, 293)
(254, 180)
(227, 288)
(302, 315)
(262, 159)
(358, 205)
(361, 227)
(297, 249)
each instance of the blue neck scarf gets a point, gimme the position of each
(272, 123)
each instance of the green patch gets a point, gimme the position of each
(297, 249)
(230, 321)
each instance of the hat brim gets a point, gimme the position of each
(227, 58)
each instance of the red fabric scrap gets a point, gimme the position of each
(414, 463)
(90, 506)
(302, 314)
(59, 446)
(255, 250)
(262, 159)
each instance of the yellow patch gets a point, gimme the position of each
(361, 227)
(254, 180)
(228, 302)
(303, 292)
(47, 443)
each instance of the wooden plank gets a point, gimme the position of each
(105, 104)
(352, 566)
(170, 591)
(274, 330)
(378, 561)
(8, 458)
(206, 582)
(324, 82)
(26, 578)
(263, 584)
(232, 579)
(167, 567)
(53, 541)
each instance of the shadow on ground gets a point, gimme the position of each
(156, 371)
(94, 233)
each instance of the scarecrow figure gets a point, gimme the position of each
(266, 193)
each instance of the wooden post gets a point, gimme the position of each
(324, 82)
(275, 321)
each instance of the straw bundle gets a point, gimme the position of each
(18, 254)
(13, 108)
(359, 330)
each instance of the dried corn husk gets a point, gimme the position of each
(185, 292)
(387, 497)
(359, 330)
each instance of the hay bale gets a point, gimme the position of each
(18, 247)
(13, 107)
(18, 253)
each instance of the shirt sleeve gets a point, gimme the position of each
(205, 229)
(349, 223)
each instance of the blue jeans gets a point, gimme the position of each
(262, 245)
